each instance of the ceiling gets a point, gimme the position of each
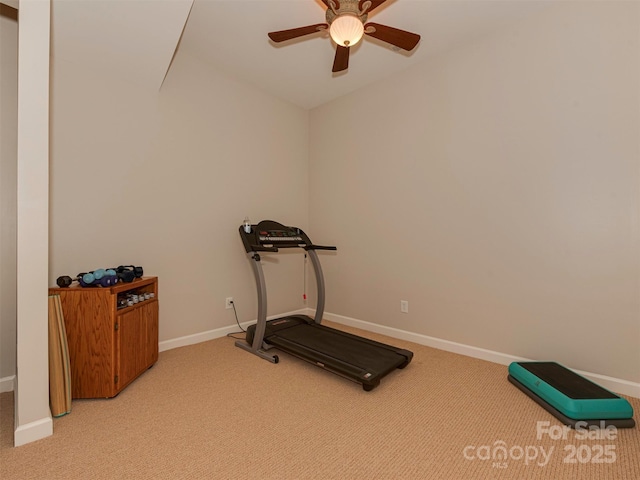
(137, 39)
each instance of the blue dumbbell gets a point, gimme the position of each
(100, 277)
(99, 273)
(109, 278)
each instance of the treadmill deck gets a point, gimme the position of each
(359, 359)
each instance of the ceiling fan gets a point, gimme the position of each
(346, 23)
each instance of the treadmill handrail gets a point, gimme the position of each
(319, 247)
(260, 248)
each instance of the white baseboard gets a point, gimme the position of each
(33, 431)
(213, 334)
(7, 384)
(617, 385)
(199, 337)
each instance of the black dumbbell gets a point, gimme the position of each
(128, 273)
(64, 281)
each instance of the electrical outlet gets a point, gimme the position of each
(228, 302)
(404, 306)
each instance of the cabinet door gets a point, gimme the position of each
(137, 342)
(131, 346)
(90, 338)
(150, 312)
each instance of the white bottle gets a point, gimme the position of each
(247, 225)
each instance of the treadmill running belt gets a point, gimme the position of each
(341, 346)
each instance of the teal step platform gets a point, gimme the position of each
(570, 397)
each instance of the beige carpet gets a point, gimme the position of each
(213, 411)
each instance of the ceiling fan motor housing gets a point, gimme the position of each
(346, 6)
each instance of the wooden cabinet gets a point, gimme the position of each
(111, 340)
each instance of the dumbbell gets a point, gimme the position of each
(100, 277)
(64, 281)
(106, 277)
(128, 273)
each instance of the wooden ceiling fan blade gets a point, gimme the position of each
(400, 38)
(374, 4)
(341, 60)
(284, 35)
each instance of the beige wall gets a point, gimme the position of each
(165, 180)
(496, 188)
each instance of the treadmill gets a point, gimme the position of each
(356, 358)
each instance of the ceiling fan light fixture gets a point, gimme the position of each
(346, 29)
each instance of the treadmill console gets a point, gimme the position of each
(279, 236)
(268, 234)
